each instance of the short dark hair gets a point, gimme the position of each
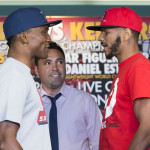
(135, 35)
(52, 45)
(11, 40)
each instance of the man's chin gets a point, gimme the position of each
(56, 84)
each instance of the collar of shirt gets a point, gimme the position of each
(63, 91)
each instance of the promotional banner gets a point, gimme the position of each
(86, 66)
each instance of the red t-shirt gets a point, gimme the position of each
(119, 121)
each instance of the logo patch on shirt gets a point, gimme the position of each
(42, 118)
(110, 124)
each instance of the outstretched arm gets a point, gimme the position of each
(8, 133)
(141, 139)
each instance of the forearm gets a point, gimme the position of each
(10, 144)
(8, 134)
(141, 140)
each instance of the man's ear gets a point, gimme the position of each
(24, 36)
(127, 34)
(36, 70)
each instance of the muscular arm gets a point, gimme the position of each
(141, 139)
(8, 132)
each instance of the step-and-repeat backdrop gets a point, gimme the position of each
(86, 65)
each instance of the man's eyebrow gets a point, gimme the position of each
(60, 59)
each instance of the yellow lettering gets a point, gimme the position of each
(2, 37)
(103, 76)
(2, 58)
(88, 33)
(143, 32)
(76, 31)
(97, 32)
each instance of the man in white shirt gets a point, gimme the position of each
(23, 123)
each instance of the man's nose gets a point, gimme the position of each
(54, 66)
(101, 37)
(49, 38)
